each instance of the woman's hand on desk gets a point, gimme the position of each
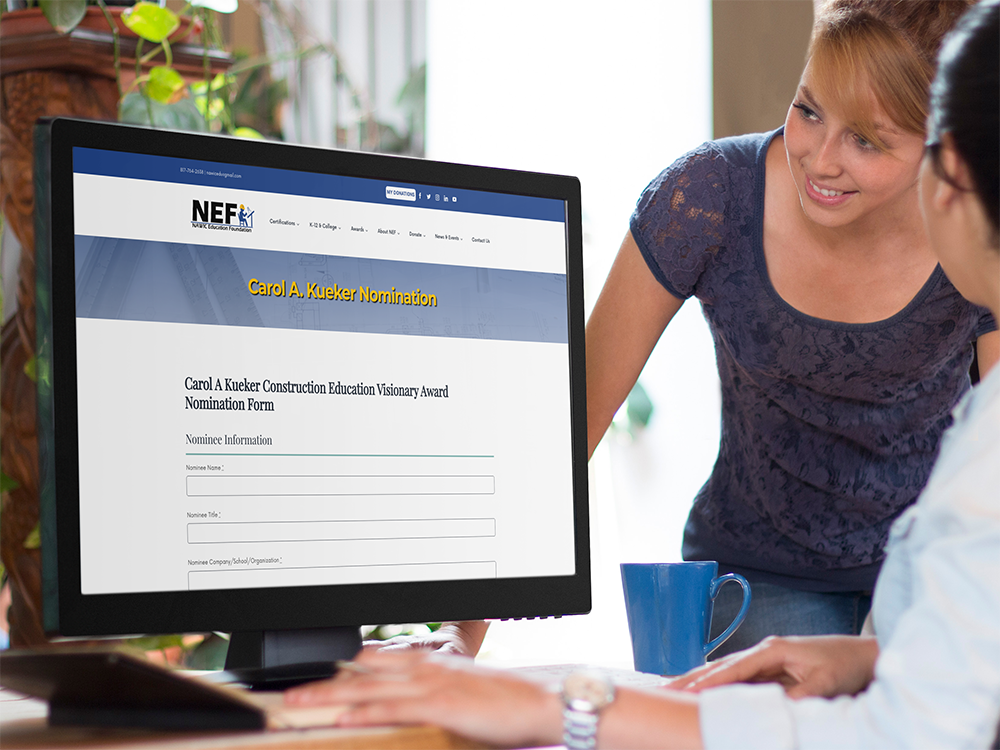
(458, 638)
(806, 666)
(416, 688)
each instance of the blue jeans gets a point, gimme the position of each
(776, 610)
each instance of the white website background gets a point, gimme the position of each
(348, 488)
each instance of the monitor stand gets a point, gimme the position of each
(278, 659)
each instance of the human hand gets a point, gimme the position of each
(411, 687)
(806, 666)
(457, 638)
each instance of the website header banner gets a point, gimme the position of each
(166, 282)
(268, 180)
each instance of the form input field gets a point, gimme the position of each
(297, 485)
(336, 531)
(340, 574)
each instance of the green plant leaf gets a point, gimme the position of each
(42, 372)
(220, 80)
(31, 369)
(181, 115)
(209, 654)
(151, 22)
(164, 84)
(64, 15)
(34, 538)
(246, 132)
(215, 106)
(156, 642)
(7, 483)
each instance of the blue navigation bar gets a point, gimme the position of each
(267, 180)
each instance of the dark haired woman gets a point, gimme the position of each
(931, 677)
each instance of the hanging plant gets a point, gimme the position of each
(159, 94)
(163, 85)
(64, 15)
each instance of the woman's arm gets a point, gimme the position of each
(492, 706)
(626, 323)
(987, 351)
(825, 666)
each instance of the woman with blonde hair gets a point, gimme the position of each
(842, 346)
(931, 678)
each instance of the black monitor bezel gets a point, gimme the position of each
(70, 613)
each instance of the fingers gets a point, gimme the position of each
(454, 649)
(314, 694)
(804, 690)
(448, 640)
(401, 643)
(380, 675)
(682, 681)
(391, 659)
(349, 688)
(760, 663)
(389, 644)
(381, 713)
(412, 687)
(371, 666)
(398, 646)
(804, 666)
(724, 674)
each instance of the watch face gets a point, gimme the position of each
(585, 691)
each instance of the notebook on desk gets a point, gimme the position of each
(109, 687)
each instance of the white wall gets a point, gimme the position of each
(611, 93)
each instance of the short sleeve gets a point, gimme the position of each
(986, 323)
(679, 219)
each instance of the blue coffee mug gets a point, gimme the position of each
(669, 607)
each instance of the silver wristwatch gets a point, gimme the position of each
(585, 695)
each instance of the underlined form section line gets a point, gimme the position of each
(348, 455)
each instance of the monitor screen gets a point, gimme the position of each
(293, 388)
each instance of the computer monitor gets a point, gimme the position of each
(286, 391)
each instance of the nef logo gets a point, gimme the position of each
(219, 215)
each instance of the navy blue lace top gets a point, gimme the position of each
(829, 429)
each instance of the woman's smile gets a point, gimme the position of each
(825, 195)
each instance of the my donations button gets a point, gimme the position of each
(400, 194)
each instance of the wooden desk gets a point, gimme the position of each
(23, 726)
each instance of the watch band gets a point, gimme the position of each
(579, 729)
(585, 695)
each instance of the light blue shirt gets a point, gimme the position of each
(936, 612)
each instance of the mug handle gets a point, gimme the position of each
(713, 592)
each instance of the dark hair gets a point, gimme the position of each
(866, 52)
(965, 102)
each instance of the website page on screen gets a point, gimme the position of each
(293, 379)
